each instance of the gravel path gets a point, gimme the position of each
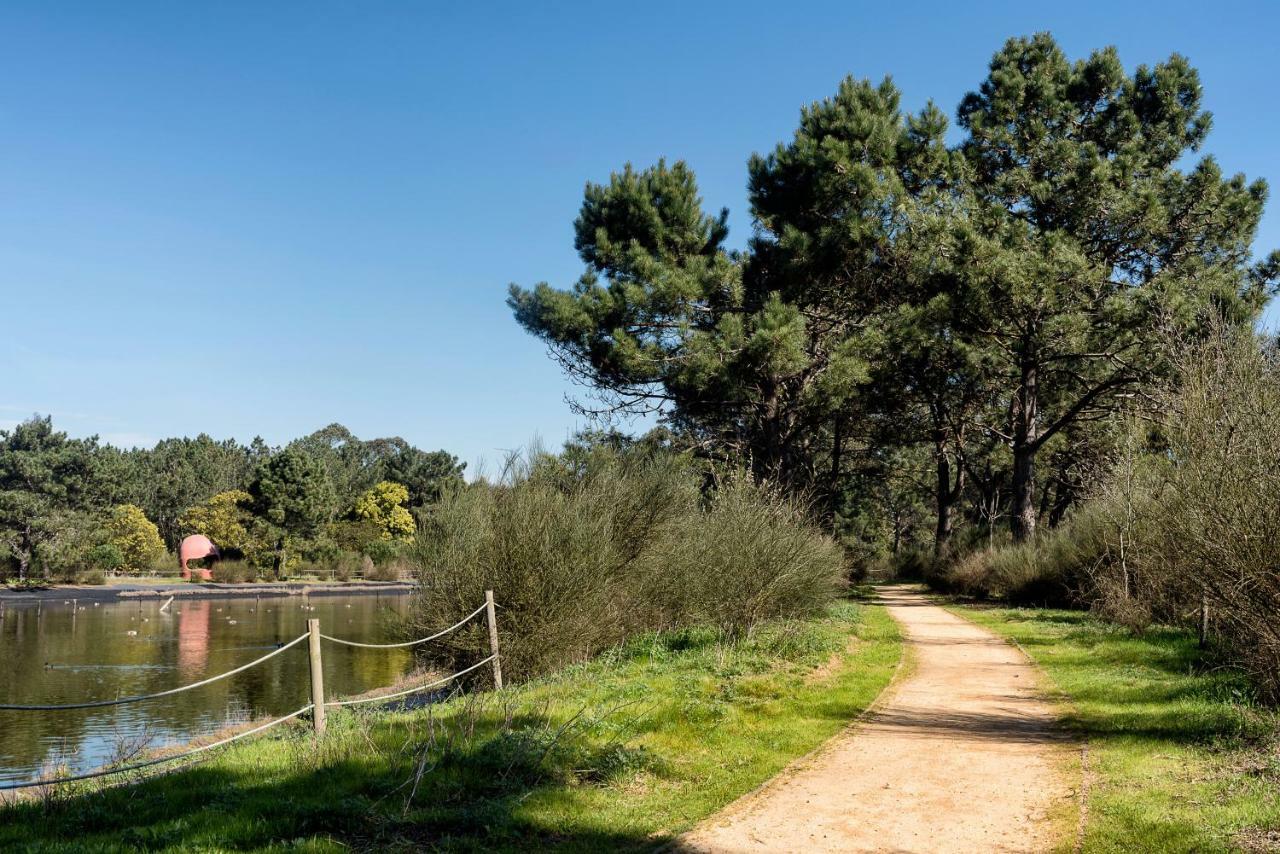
(962, 754)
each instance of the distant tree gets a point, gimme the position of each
(106, 557)
(44, 477)
(385, 507)
(291, 496)
(178, 474)
(134, 536)
(425, 474)
(355, 465)
(224, 519)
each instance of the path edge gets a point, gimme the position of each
(906, 663)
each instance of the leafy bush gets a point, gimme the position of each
(105, 557)
(582, 554)
(382, 551)
(395, 570)
(134, 535)
(91, 576)
(233, 572)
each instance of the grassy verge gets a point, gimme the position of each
(1179, 757)
(621, 753)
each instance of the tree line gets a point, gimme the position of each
(69, 504)
(921, 333)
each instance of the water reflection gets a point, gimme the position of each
(56, 652)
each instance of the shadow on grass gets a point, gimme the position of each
(1157, 685)
(470, 800)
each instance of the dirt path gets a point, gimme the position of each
(961, 755)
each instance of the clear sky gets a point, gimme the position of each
(260, 218)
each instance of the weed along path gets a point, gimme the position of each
(961, 754)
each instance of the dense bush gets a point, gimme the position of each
(397, 569)
(583, 555)
(233, 572)
(105, 557)
(1183, 528)
(1218, 530)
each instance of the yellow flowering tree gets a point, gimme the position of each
(222, 519)
(385, 507)
(134, 535)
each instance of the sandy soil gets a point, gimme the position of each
(962, 754)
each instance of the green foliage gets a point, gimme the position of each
(233, 572)
(355, 466)
(106, 557)
(224, 518)
(292, 499)
(988, 302)
(384, 507)
(1086, 243)
(180, 473)
(45, 479)
(134, 536)
(585, 552)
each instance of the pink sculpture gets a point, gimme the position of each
(195, 547)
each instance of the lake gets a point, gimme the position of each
(51, 653)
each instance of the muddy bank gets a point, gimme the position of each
(202, 590)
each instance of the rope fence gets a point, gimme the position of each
(384, 697)
(438, 634)
(317, 706)
(149, 763)
(120, 701)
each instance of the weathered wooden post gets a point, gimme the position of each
(317, 676)
(1204, 619)
(492, 619)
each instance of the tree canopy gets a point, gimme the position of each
(980, 300)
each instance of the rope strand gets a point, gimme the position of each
(95, 704)
(411, 690)
(105, 772)
(438, 634)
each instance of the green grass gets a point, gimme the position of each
(1179, 756)
(621, 753)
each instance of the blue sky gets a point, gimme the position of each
(259, 218)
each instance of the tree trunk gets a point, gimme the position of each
(833, 484)
(24, 555)
(280, 558)
(1064, 495)
(945, 495)
(1025, 433)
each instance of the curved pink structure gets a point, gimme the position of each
(195, 547)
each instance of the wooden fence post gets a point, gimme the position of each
(493, 638)
(317, 676)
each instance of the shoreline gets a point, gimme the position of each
(203, 590)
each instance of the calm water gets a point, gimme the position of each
(54, 654)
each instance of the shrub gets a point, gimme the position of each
(1026, 574)
(233, 572)
(91, 576)
(382, 551)
(134, 535)
(583, 556)
(1218, 532)
(105, 557)
(395, 570)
